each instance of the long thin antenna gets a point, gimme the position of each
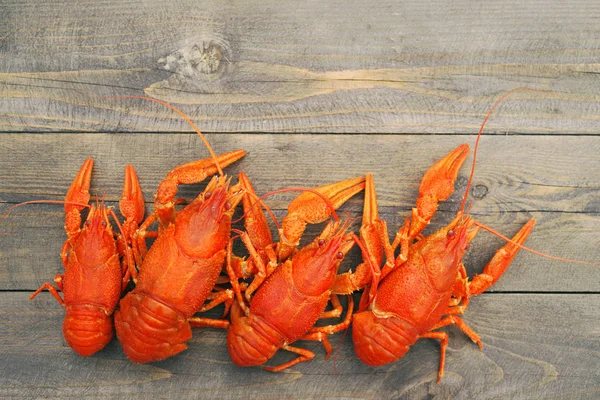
(537, 253)
(505, 95)
(259, 201)
(185, 117)
(462, 206)
(5, 214)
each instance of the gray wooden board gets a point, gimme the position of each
(252, 69)
(279, 66)
(554, 179)
(535, 346)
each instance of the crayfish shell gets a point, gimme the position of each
(251, 341)
(149, 330)
(380, 341)
(87, 328)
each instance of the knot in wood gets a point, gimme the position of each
(199, 59)
(479, 191)
(207, 58)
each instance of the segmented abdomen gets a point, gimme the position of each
(251, 341)
(149, 330)
(379, 341)
(87, 328)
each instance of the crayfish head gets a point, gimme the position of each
(202, 228)
(315, 266)
(443, 250)
(95, 244)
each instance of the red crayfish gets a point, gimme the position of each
(426, 286)
(293, 292)
(430, 289)
(178, 273)
(96, 261)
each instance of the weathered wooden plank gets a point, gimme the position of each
(535, 346)
(29, 256)
(514, 173)
(555, 180)
(276, 66)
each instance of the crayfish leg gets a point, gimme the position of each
(455, 320)
(192, 172)
(131, 205)
(336, 311)
(264, 270)
(460, 292)
(79, 192)
(320, 337)
(330, 329)
(132, 208)
(443, 338)
(197, 322)
(304, 355)
(234, 281)
(257, 239)
(53, 291)
(216, 298)
(255, 221)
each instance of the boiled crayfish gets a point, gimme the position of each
(178, 273)
(426, 286)
(429, 289)
(96, 262)
(293, 290)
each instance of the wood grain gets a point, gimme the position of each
(356, 87)
(555, 180)
(276, 66)
(534, 346)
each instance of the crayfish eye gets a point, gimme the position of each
(207, 195)
(103, 223)
(88, 223)
(451, 234)
(227, 205)
(339, 255)
(321, 242)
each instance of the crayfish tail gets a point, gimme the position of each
(380, 341)
(87, 329)
(250, 340)
(149, 330)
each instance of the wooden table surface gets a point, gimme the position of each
(315, 92)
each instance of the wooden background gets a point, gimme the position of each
(316, 91)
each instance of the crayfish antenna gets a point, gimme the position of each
(537, 253)
(372, 241)
(479, 134)
(185, 117)
(516, 243)
(5, 215)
